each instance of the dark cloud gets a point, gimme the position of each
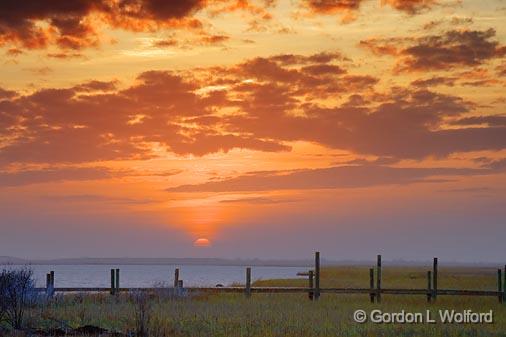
(455, 48)
(72, 24)
(258, 201)
(18, 22)
(349, 9)
(94, 198)
(333, 6)
(435, 81)
(469, 190)
(476, 77)
(65, 56)
(496, 120)
(19, 178)
(326, 178)
(498, 165)
(96, 86)
(319, 58)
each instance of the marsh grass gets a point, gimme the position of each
(272, 315)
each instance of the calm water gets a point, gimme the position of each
(149, 275)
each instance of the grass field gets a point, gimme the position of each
(266, 315)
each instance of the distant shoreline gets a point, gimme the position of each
(6, 260)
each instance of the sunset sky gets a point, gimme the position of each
(244, 128)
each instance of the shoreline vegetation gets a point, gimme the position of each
(159, 313)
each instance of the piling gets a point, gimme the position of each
(317, 275)
(117, 281)
(176, 278)
(378, 279)
(113, 283)
(371, 284)
(434, 278)
(499, 285)
(49, 291)
(429, 286)
(247, 289)
(311, 285)
(504, 286)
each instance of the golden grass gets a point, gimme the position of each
(272, 315)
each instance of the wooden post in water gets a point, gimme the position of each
(176, 278)
(117, 282)
(378, 279)
(434, 278)
(247, 289)
(317, 275)
(311, 285)
(113, 283)
(48, 285)
(51, 273)
(504, 286)
(371, 284)
(429, 287)
(499, 285)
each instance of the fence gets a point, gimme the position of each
(314, 291)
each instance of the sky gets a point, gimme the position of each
(253, 129)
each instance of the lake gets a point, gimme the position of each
(132, 276)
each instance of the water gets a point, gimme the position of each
(132, 276)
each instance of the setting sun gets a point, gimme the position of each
(202, 242)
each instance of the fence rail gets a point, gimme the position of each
(287, 290)
(313, 290)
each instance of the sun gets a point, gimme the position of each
(202, 242)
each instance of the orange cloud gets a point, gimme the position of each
(261, 104)
(454, 48)
(411, 6)
(349, 9)
(202, 39)
(329, 178)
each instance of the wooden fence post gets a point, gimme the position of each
(113, 283)
(378, 279)
(247, 289)
(434, 278)
(371, 284)
(117, 281)
(504, 285)
(499, 285)
(176, 278)
(311, 285)
(429, 287)
(317, 275)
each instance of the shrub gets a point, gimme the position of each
(142, 312)
(17, 293)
